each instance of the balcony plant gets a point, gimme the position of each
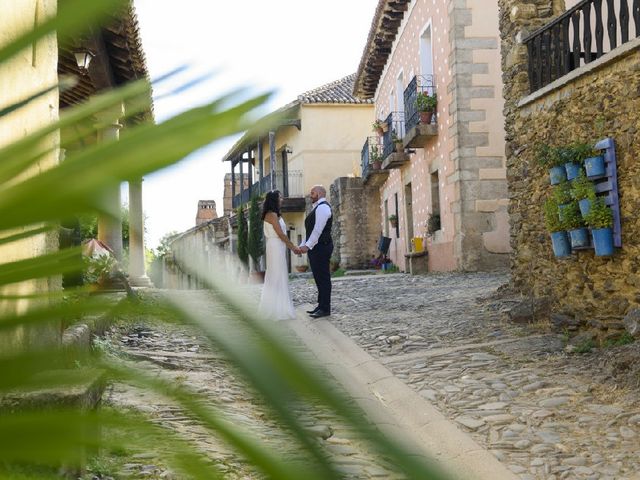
(426, 105)
(553, 159)
(255, 241)
(575, 224)
(393, 220)
(397, 141)
(584, 192)
(600, 219)
(556, 228)
(375, 159)
(378, 127)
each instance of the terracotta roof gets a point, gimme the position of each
(126, 59)
(384, 29)
(339, 91)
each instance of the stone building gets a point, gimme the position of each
(446, 182)
(116, 58)
(312, 140)
(206, 211)
(227, 201)
(582, 86)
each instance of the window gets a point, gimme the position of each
(426, 52)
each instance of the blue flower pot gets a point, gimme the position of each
(585, 206)
(603, 241)
(557, 175)
(594, 166)
(560, 243)
(572, 169)
(579, 237)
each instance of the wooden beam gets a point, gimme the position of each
(100, 66)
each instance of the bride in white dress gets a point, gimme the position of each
(275, 301)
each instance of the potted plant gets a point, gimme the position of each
(574, 156)
(302, 268)
(584, 192)
(551, 158)
(574, 223)
(594, 164)
(562, 196)
(397, 141)
(433, 224)
(375, 159)
(600, 219)
(378, 127)
(426, 105)
(255, 241)
(559, 238)
(393, 220)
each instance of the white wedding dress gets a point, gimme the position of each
(275, 301)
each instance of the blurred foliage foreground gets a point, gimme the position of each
(60, 436)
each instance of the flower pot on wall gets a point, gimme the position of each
(585, 206)
(426, 117)
(603, 241)
(572, 169)
(376, 165)
(557, 175)
(560, 243)
(594, 166)
(579, 237)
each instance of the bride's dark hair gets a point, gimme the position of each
(271, 203)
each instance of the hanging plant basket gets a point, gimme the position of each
(579, 237)
(561, 244)
(557, 175)
(603, 241)
(594, 166)
(572, 169)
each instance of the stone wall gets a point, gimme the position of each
(356, 222)
(594, 102)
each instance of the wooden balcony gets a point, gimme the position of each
(417, 136)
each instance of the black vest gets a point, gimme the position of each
(310, 221)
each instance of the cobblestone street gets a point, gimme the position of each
(544, 413)
(183, 355)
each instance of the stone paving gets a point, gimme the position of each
(543, 412)
(183, 355)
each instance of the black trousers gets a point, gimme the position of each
(319, 258)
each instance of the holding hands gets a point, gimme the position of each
(300, 250)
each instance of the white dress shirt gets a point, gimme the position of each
(323, 213)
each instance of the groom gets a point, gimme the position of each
(318, 247)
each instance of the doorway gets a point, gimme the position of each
(408, 214)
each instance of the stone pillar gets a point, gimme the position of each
(110, 225)
(137, 274)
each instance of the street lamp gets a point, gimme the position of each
(83, 59)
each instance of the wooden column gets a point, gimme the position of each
(233, 182)
(241, 179)
(250, 173)
(272, 159)
(285, 176)
(260, 164)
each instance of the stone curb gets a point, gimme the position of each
(394, 407)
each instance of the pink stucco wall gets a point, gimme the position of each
(405, 60)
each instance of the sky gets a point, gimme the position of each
(286, 46)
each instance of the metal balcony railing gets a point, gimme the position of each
(420, 84)
(371, 151)
(568, 42)
(293, 188)
(395, 129)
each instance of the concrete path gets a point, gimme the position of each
(394, 407)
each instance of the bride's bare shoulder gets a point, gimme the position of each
(271, 217)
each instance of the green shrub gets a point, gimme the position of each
(582, 188)
(562, 193)
(571, 217)
(243, 237)
(600, 215)
(578, 152)
(551, 217)
(255, 243)
(548, 156)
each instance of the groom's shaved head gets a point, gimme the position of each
(320, 190)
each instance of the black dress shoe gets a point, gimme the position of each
(314, 310)
(320, 313)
